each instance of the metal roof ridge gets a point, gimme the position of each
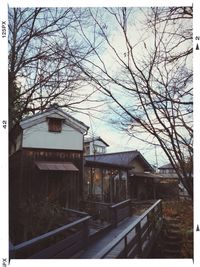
(112, 153)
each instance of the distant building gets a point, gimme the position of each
(94, 146)
(169, 173)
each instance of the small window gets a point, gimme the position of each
(87, 150)
(55, 125)
(99, 149)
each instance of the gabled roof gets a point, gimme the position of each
(53, 112)
(92, 139)
(121, 159)
(166, 166)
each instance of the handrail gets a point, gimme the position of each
(52, 233)
(81, 213)
(120, 203)
(149, 209)
(96, 202)
(124, 234)
(116, 209)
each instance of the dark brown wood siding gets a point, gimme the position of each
(29, 182)
(15, 179)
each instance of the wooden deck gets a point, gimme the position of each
(124, 236)
(96, 246)
(132, 238)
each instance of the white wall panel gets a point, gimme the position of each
(38, 136)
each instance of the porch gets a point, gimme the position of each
(105, 183)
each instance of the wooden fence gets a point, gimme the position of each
(137, 239)
(98, 210)
(62, 242)
(113, 213)
(120, 211)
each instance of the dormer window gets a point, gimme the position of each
(55, 125)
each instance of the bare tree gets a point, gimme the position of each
(41, 69)
(147, 72)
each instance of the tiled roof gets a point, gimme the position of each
(123, 159)
(166, 166)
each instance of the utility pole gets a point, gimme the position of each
(156, 156)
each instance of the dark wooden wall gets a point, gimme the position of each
(141, 188)
(27, 181)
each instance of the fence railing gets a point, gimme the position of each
(62, 242)
(120, 211)
(98, 210)
(137, 239)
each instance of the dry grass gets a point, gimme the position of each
(182, 210)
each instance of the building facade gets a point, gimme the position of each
(46, 159)
(114, 177)
(94, 146)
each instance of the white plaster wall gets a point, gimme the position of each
(138, 167)
(38, 136)
(99, 143)
(96, 142)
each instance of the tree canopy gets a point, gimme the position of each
(147, 72)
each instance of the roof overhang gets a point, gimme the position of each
(97, 164)
(55, 166)
(54, 113)
(154, 176)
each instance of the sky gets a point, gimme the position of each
(116, 140)
(102, 121)
(105, 126)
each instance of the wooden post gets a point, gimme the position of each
(139, 244)
(11, 251)
(113, 216)
(130, 208)
(86, 233)
(111, 188)
(149, 225)
(101, 184)
(154, 190)
(125, 248)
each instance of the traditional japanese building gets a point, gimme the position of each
(114, 177)
(94, 146)
(46, 158)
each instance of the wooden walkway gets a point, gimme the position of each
(96, 246)
(128, 237)
(132, 238)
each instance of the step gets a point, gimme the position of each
(176, 240)
(169, 253)
(173, 226)
(172, 246)
(173, 233)
(171, 220)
